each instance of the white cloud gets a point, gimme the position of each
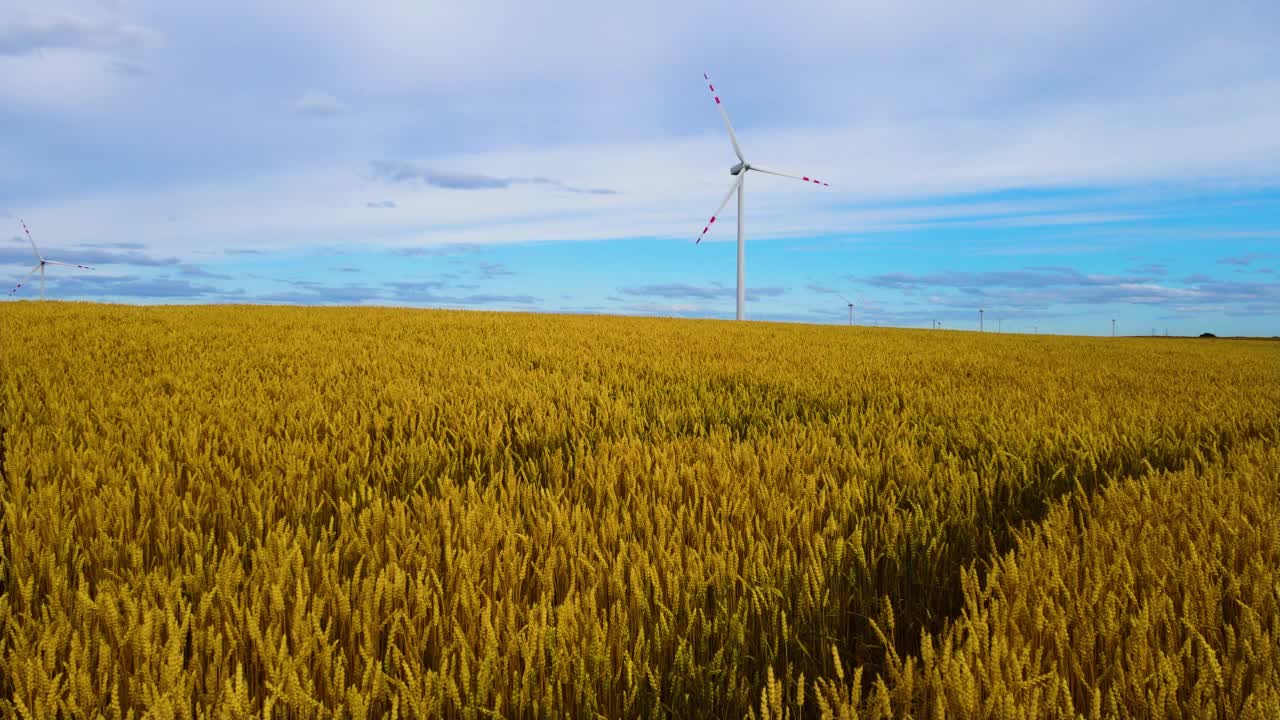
(318, 103)
(59, 80)
(67, 59)
(906, 100)
(33, 33)
(668, 188)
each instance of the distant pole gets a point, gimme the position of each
(1113, 327)
(979, 319)
(999, 322)
(850, 314)
(1035, 329)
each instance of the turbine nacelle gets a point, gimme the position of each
(739, 168)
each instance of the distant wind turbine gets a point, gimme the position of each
(847, 300)
(41, 262)
(739, 171)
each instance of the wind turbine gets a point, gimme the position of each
(41, 263)
(739, 171)
(850, 308)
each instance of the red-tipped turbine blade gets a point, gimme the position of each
(804, 178)
(34, 249)
(736, 182)
(34, 270)
(728, 125)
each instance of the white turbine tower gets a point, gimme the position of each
(41, 262)
(740, 173)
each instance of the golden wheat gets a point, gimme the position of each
(353, 512)
(1158, 598)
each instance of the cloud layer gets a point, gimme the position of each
(1043, 288)
(404, 172)
(28, 34)
(673, 291)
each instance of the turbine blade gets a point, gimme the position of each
(55, 262)
(34, 270)
(736, 183)
(805, 178)
(34, 249)
(845, 299)
(720, 106)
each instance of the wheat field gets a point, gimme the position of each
(291, 512)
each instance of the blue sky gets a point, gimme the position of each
(1057, 166)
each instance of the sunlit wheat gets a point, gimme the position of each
(361, 512)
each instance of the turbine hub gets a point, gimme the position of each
(739, 168)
